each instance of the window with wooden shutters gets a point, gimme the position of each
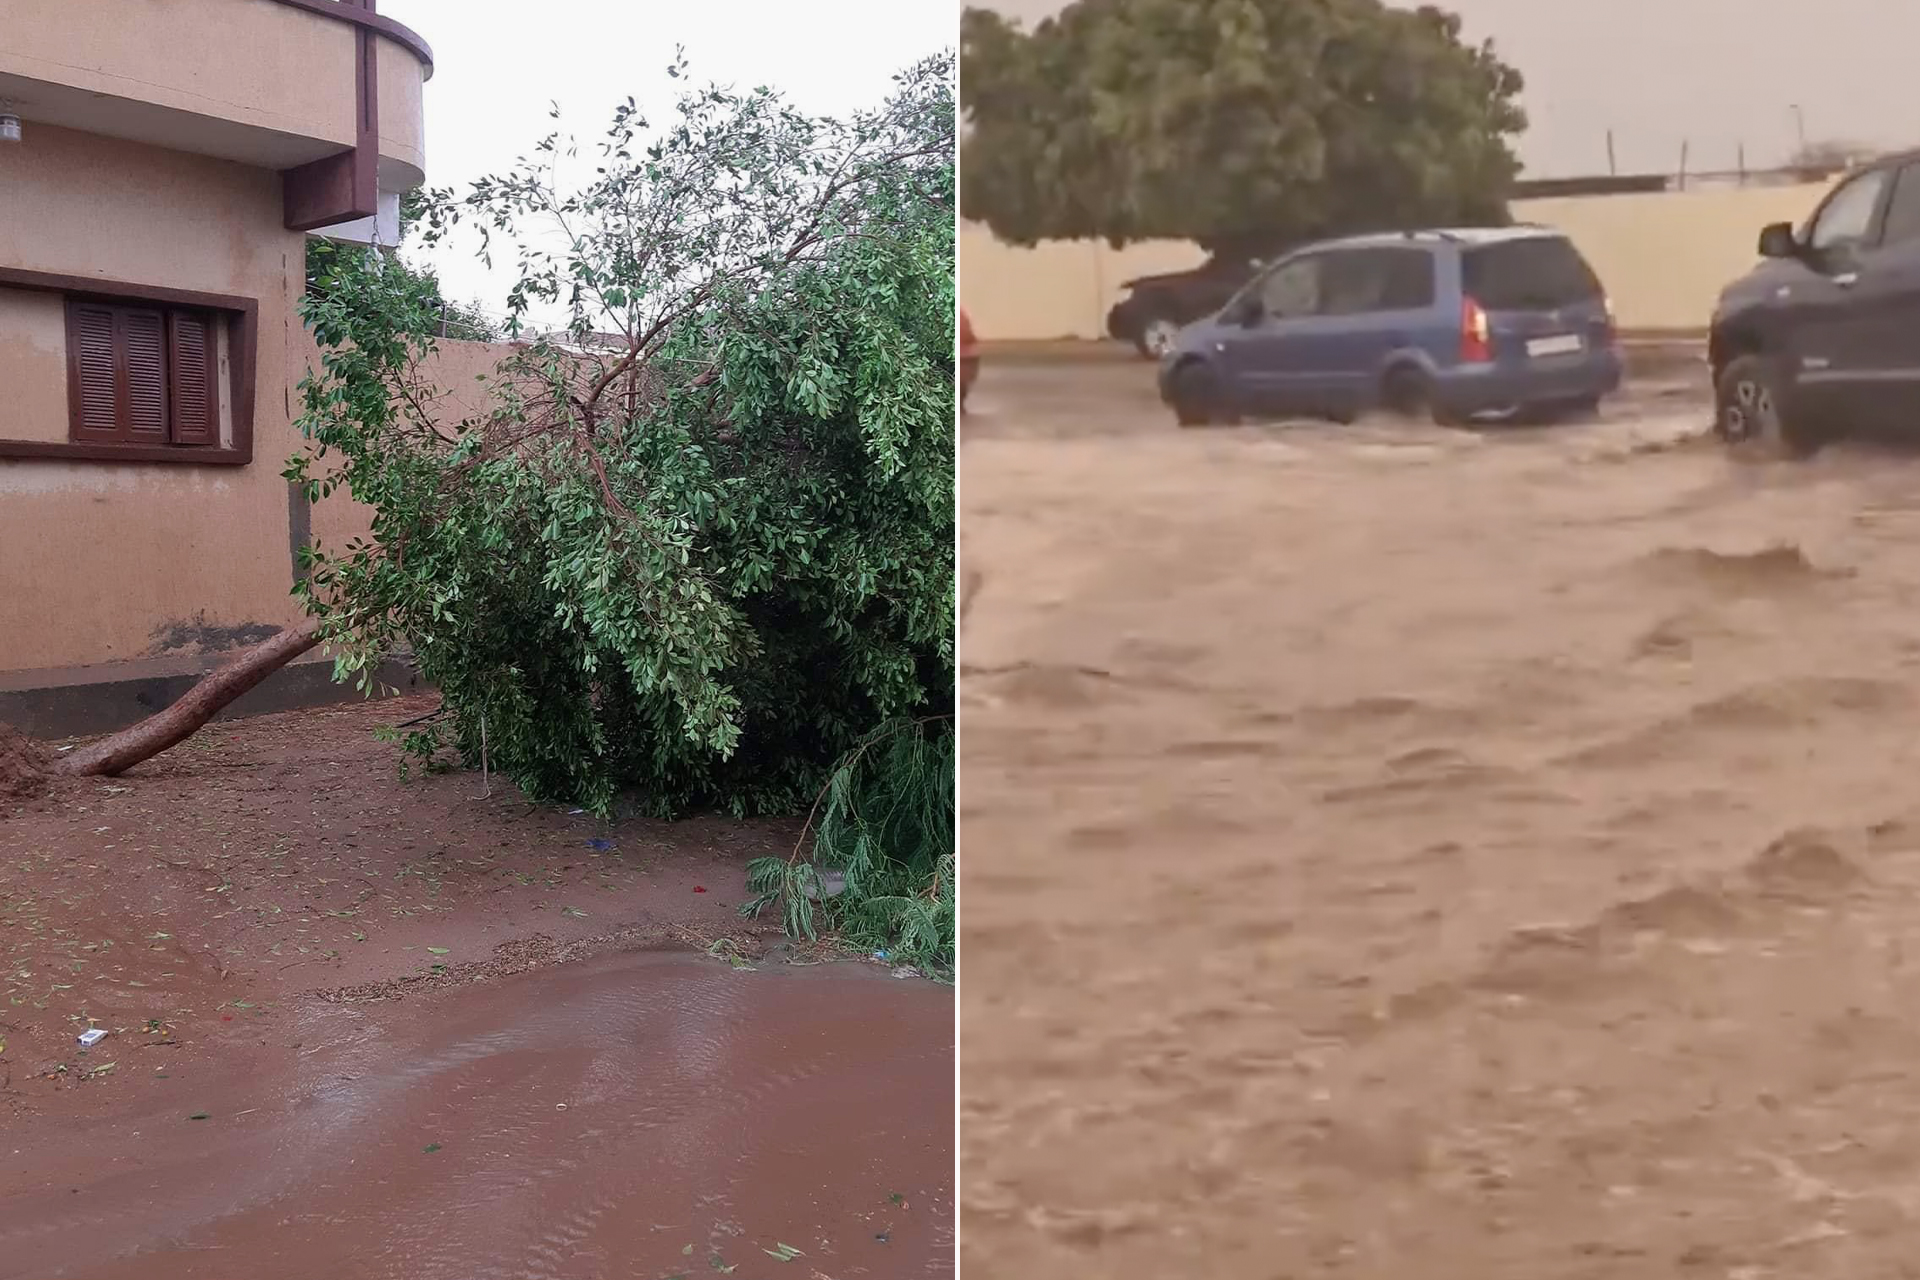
(193, 365)
(90, 356)
(143, 375)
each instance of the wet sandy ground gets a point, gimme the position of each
(364, 1028)
(1395, 852)
(638, 1115)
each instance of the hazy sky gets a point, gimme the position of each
(1712, 73)
(498, 65)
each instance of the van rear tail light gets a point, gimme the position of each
(1475, 343)
(1613, 323)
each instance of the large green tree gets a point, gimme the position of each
(1245, 125)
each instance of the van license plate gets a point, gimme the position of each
(1560, 345)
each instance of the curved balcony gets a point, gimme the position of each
(325, 90)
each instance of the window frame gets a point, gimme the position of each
(1900, 175)
(242, 319)
(1869, 235)
(1314, 258)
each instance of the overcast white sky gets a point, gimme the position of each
(498, 66)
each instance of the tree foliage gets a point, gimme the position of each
(701, 543)
(1245, 125)
(329, 262)
(883, 826)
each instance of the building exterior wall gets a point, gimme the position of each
(1664, 258)
(167, 148)
(252, 62)
(33, 367)
(403, 111)
(96, 558)
(104, 562)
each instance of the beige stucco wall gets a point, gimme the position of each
(251, 61)
(33, 366)
(95, 557)
(402, 106)
(1664, 258)
(100, 562)
(1057, 289)
(264, 83)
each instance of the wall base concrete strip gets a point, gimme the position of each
(68, 702)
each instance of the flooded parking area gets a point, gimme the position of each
(1472, 855)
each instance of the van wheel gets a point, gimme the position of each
(1404, 392)
(1199, 399)
(1407, 392)
(1750, 417)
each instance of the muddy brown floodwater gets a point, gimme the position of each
(1396, 852)
(366, 1028)
(638, 1115)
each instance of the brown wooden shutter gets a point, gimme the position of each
(143, 336)
(92, 381)
(191, 354)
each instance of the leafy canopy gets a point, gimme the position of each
(1245, 125)
(700, 545)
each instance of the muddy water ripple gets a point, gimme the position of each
(642, 1115)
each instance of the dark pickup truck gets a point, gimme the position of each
(1156, 307)
(1823, 336)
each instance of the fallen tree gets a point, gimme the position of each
(25, 765)
(181, 719)
(698, 546)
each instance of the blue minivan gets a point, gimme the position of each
(1453, 324)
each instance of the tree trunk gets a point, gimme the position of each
(119, 752)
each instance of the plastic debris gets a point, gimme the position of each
(600, 843)
(91, 1037)
(830, 883)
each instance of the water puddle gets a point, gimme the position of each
(644, 1115)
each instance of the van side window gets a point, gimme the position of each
(1293, 288)
(1847, 216)
(1360, 281)
(1903, 208)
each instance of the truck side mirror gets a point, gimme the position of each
(1778, 241)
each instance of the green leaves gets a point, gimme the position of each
(883, 828)
(1246, 125)
(697, 540)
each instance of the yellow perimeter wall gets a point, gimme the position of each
(1663, 256)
